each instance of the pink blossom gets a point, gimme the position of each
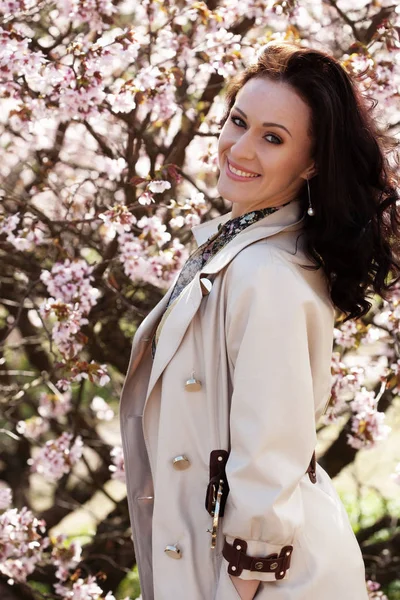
(66, 332)
(5, 497)
(9, 224)
(87, 11)
(373, 334)
(93, 371)
(396, 370)
(16, 58)
(142, 262)
(177, 222)
(123, 102)
(57, 457)
(154, 229)
(69, 281)
(101, 409)
(81, 589)
(145, 199)
(13, 7)
(367, 424)
(64, 385)
(373, 588)
(33, 427)
(118, 218)
(346, 334)
(80, 370)
(192, 219)
(147, 78)
(197, 201)
(158, 186)
(53, 406)
(29, 235)
(21, 543)
(65, 557)
(346, 381)
(118, 467)
(114, 167)
(101, 376)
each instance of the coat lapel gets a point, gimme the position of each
(191, 296)
(174, 328)
(144, 334)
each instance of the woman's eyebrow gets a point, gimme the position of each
(265, 124)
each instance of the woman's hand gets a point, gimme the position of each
(245, 588)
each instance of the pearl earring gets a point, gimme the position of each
(310, 210)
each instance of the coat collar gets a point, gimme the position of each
(178, 320)
(205, 230)
(286, 216)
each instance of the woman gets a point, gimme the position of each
(230, 372)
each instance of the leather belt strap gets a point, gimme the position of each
(238, 560)
(215, 501)
(218, 460)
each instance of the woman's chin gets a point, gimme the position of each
(229, 192)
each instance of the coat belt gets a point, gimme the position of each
(238, 560)
(216, 497)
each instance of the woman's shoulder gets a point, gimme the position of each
(277, 263)
(271, 253)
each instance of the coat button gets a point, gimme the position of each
(181, 462)
(205, 285)
(192, 384)
(173, 551)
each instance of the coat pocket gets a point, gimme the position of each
(225, 587)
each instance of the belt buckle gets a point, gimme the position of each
(216, 511)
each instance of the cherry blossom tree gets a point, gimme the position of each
(110, 113)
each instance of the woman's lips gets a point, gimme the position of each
(237, 177)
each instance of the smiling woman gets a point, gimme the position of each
(296, 118)
(231, 370)
(251, 151)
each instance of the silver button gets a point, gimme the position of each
(181, 462)
(206, 286)
(173, 551)
(192, 384)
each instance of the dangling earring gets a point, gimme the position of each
(310, 210)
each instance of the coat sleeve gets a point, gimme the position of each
(269, 308)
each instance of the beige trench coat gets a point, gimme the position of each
(258, 336)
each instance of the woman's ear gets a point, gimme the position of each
(310, 172)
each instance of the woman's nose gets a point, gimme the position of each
(243, 148)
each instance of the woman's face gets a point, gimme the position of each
(265, 138)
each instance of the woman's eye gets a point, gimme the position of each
(276, 139)
(233, 119)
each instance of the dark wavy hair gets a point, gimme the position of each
(354, 233)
